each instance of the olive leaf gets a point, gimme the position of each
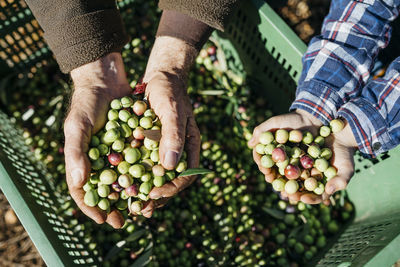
(295, 231)
(194, 171)
(229, 108)
(277, 214)
(120, 245)
(144, 259)
(135, 235)
(212, 92)
(115, 250)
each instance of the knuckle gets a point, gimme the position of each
(256, 130)
(272, 120)
(69, 124)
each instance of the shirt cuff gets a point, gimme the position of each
(368, 126)
(317, 99)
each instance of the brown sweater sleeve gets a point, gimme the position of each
(80, 31)
(190, 30)
(214, 13)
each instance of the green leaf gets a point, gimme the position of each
(212, 92)
(115, 250)
(143, 260)
(194, 171)
(277, 214)
(229, 108)
(135, 235)
(120, 245)
(295, 231)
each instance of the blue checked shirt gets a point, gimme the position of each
(336, 67)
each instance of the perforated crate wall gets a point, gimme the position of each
(21, 41)
(361, 242)
(260, 47)
(23, 181)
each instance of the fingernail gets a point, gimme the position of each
(171, 159)
(76, 177)
(331, 189)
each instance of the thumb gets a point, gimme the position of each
(343, 161)
(76, 145)
(340, 181)
(172, 140)
(77, 164)
(167, 105)
(336, 184)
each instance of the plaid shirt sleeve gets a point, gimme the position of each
(374, 116)
(338, 62)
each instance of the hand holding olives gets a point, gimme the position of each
(316, 159)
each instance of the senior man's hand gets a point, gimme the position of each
(342, 144)
(166, 77)
(95, 85)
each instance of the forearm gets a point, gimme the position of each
(374, 115)
(337, 63)
(80, 31)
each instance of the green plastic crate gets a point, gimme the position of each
(259, 47)
(21, 42)
(23, 181)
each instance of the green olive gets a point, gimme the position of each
(137, 170)
(108, 176)
(104, 204)
(112, 115)
(103, 190)
(158, 181)
(126, 102)
(145, 188)
(116, 104)
(91, 198)
(150, 144)
(324, 131)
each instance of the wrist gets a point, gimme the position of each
(106, 72)
(172, 56)
(346, 136)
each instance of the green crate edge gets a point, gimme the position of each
(264, 50)
(25, 215)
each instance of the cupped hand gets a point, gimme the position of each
(166, 76)
(342, 144)
(95, 85)
(167, 96)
